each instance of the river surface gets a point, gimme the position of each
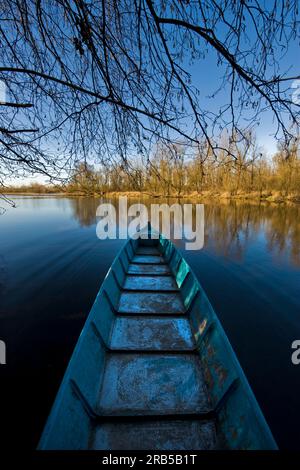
(52, 265)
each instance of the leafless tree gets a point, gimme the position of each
(104, 80)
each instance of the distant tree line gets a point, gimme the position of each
(173, 172)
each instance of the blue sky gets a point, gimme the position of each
(207, 77)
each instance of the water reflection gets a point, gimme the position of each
(84, 210)
(229, 226)
(52, 265)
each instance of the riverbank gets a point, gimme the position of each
(268, 196)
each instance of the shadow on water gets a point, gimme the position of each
(52, 265)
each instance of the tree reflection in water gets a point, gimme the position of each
(229, 226)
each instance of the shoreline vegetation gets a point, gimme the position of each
(253, 196)
(173, 175)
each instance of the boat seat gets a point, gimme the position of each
(149, 269)
(152, 384)
(156, 435)
(155, 283)
(147, 250)
(165, 303)
(144, 333)
(148, 259)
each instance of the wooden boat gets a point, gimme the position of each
(153, 368)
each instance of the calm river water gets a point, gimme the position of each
(52, 265)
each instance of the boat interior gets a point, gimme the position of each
(153, 368)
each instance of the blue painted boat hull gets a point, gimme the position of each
(153, 367)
